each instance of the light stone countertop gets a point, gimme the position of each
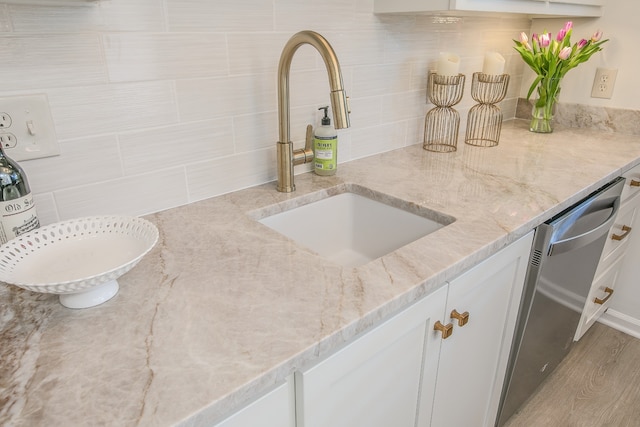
(224, 309)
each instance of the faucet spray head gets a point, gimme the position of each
(341, 109)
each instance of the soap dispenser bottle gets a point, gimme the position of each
(325, 147)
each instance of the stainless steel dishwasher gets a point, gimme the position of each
(565, 255)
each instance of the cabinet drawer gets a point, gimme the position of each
(632, 184)
(620, 232)
(599, 297)
(602, 289)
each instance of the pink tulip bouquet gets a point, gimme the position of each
(551, 58)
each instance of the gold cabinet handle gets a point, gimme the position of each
(461, 318)
(625, 232)
(634, 183)
(609, 292)
(446, 330)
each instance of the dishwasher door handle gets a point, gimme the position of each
(585, 238)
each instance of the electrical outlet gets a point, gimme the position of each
(603, 83)
(5, 120)
(26, 127)
(8, 140)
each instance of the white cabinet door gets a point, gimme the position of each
(274, 409)
(473, 359)
(375, 380)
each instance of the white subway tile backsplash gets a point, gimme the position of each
(508, 108)
(364, 6)
(133, 57)
(5, 20)
(111, 15)
(415, 131)
(132, 195)
(225, 175)
(368, 111)
(321, 16)
(312, 87)
(159, 148)
(55, 19)
(159, 103)
(381, 79)
(81, 161)
(46, 208)
(220, 15)
(344, 146)
(405, 105)
(93, 110)
(127, 15)
(255, 131)
(377, 139)
(253, 53)
(50, 61)
(408, 42)
(204, 99)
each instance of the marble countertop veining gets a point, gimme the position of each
(223, 308)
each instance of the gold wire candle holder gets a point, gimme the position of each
(484, 122)
(442, 122)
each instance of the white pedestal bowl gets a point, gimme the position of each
(79, 259)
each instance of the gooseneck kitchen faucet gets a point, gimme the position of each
(287, 157)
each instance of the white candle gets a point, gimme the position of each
(448, 64)
(493, 63)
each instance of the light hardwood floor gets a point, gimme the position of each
(597, 385)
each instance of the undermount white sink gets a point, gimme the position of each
(351, 229)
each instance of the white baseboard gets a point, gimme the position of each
(623, 323)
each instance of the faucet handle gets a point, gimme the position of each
(304, 155)
(308, 141)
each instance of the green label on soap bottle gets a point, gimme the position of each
(326, 153)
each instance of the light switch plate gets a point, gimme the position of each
(26, 127)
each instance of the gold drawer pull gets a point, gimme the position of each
(461, 318)
(446, 330)
(609, 292)
(634, 183)
(625, 232)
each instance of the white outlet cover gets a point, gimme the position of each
(31, 126)
(603, 83)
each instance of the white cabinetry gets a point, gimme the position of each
(274, 409)
(605, 281)
(406, 368)
(375, 380)
(540, 8)
(473, 360)
(623, 311)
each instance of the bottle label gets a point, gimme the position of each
(325, 153)
(17, 217)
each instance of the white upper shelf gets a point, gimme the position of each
(50, 2)
(532, 8)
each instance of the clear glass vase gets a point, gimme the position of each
(544, 108)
